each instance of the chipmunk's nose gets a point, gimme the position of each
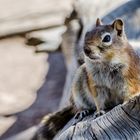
(87, 51)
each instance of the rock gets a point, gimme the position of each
(46, 40)
(48, 95)
(22, 73)
(23, 16)
(5, 123)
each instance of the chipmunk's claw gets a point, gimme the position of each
(99, 113)
(80, 115)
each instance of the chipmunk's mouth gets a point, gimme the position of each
(91, 55)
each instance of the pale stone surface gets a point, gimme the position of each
(18, 16)
(25, 75)
(52, 38)
(5, 123)
(21, 74)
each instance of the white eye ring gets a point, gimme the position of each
(106, 43)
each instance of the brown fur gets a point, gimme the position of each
(132, 74)
(103, 63)
(109, 76)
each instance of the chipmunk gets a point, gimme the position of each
(109, 76)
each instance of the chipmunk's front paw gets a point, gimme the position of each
(81, 114)
(99, 113)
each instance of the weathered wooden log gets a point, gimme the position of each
(122, 122)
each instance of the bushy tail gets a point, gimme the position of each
(54, 122)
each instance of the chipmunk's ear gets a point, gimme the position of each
(119, 26)
(98, 22)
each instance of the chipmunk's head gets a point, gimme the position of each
(107, 43)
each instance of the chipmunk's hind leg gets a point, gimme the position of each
(53, 123)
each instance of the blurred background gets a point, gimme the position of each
(41, 47)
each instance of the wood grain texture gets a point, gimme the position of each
(121, 123)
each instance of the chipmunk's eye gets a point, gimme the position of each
(106, 39)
